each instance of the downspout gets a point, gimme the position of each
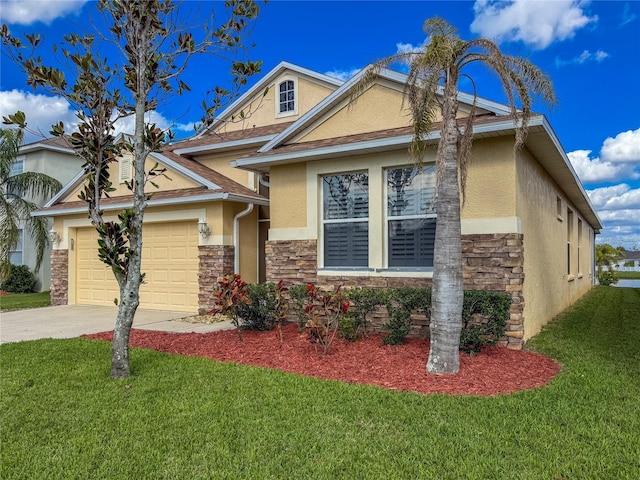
(236, 236)
(262, 180)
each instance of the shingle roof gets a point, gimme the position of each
(222, 137)
(632, 255)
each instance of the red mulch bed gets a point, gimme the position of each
(496, 370)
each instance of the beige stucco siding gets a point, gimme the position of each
(379, 108)
(491, 189)
(542, 208)
(261, 110)
(172, 181)
(221, 163)
(288, 196)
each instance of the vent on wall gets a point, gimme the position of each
(125, 170)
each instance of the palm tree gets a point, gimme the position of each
(608, 255)
(431, 88)
(18, 196)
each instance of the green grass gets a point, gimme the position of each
(628, 275)
(179, 417)
(19, 301)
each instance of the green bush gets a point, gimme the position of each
(259, 314)
(364, 301)
(401, 303)
(298, 297)
(19, 280)
(484, 318)
(607, 277)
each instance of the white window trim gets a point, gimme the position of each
(289, 113)
(20, 159)
(19, 248)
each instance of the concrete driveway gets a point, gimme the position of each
(69, 321)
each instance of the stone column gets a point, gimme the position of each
(215, 261)
(59, 277)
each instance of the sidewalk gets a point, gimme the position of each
(69, 321)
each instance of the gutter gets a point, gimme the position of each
(236, 236)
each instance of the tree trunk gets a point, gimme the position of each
(129, 301)
(447, 289)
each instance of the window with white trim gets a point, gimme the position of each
(569, 236)
(411, 216)
(578, 242)
(15, 254)
(286, 98)
(345, 220)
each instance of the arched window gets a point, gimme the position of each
(287, 102)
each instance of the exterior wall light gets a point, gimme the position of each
(54, 236)
(204, 229)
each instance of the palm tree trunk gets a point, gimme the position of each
(447, 289)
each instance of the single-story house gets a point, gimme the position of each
(303, 184)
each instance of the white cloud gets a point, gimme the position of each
(619, 159)
(43, 111)
(625, 147)
(342, 74)
(26, 12)
(585, 57)
(594, 170)
(535, 23)
(617, 197)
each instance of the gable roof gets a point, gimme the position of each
(212, 186)
(55, 144)
(541, 141)
(262, 84)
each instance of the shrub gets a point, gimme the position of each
(484, 318)
(324, 311)
(258, 314)
(298, 295)
(401, 303)
(364, 301)
(607, 277)
(19, 280)
(229, 295)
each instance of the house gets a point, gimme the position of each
(631, 261)
(304, 185)
(53, 157)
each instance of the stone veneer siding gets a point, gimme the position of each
(214, 261)
(490, 262)
(59, 277)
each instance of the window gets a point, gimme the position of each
(345, 220)
(15, 255)
(569, 235)
(559, 208)
(411, 216)
(286, 98)
(578, 244)
(17, 166)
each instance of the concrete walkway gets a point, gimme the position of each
(69, 321)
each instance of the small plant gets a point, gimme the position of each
(324, 312)
(281, 305)
(298, 296)
(228, 296)
(19, 279)
(364, 301)
(607, 277)
(484, 318)
(258, 314)
(401, 303)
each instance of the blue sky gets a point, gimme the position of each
(590, 49)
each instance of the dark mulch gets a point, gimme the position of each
(496, 370)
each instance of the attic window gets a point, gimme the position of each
(287, 98)
(124, 170)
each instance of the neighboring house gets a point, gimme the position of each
(310, 187)
(53, 157)
(631, 261)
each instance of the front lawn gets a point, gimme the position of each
(188, 417)
(17, 301)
